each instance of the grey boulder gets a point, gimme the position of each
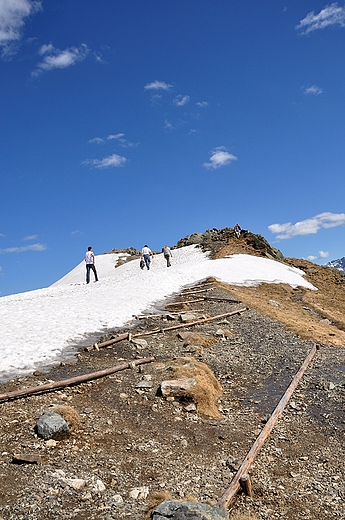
(175, 510)
(51, 425)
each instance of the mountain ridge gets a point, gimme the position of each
(316, 315)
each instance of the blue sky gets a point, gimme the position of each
(125, 123)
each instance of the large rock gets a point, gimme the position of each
(51, 425)
(177, 387)
(215, 239)
(174, 510)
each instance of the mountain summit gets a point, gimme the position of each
(337, 264)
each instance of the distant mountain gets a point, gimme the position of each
(337, 264)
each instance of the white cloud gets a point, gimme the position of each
(180, 101)
(98, 57)
(31, 237)
(110, 161)
(330, 15)
(32, 247)
(202, 104)
(322, 254)
(314, 89)
(96, 140)
(46, 49)
(219, 157)
(157, 85)
(57, 59)
(120, 138)
(309, 226)
(115, 136)
(12, 20)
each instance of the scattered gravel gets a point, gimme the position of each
(132, 442)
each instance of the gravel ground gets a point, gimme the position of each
(132, 442)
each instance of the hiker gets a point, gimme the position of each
(146, 254)
(167, 255)
(237, 230)
(90, 264)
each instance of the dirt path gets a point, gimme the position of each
(132, 438)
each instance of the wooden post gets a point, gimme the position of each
(229, 495)
(73, 380)
(246, 485)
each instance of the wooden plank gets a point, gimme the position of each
(73, 380)
(162, 330)
(190, 324)
(229, 495)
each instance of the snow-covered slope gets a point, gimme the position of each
(105, 265)
(45, 326)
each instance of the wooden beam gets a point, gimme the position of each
(190, 324)
(72, 381)
(130, 336)
(229, 495)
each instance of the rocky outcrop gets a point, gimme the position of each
(214, 240)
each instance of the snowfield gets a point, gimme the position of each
(46, 326)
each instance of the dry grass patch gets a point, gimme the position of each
(194, 339)
(206, 392)
(243, 516)
(294, 309)
(70, 415)
(153, 499)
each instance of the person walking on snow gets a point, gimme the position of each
(167, 255)
(146, 254)
(90, 264)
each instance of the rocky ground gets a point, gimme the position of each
(133, 446)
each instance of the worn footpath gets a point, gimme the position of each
(134, 447)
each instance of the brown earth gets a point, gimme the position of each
(318, 315)
(131, 438)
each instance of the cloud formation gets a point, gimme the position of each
(113, 160)
(120, 138)
(330, 15)
(309, 226)
(219, 157)
(32, 247)
(314, 89)
(12, 19)
(322, 254)
(180, 101)
(158, 85)
(57, 59)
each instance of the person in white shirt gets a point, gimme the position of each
(146, 254)
(90, 264)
